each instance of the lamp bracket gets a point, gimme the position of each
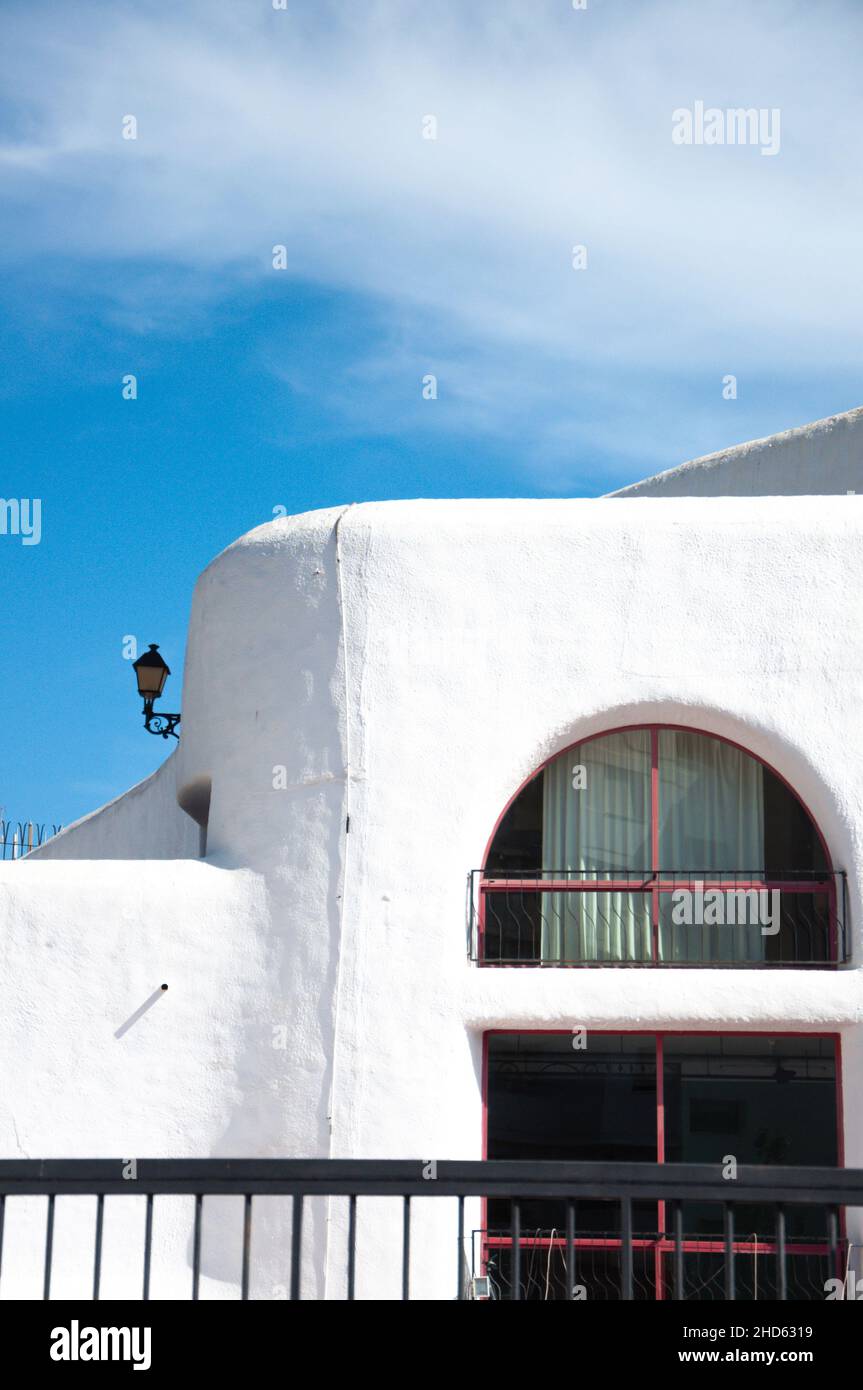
(159, 721)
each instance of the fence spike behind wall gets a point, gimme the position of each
(20, 837)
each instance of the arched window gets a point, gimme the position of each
(658, 846)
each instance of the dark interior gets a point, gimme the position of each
(764, 1100)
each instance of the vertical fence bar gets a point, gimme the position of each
(148, 1246)
(678, 1252)
(296, 1244)
(781, 1272)
(728, 1219)
(352, 1246)
(833, 1240)
(196, 1257)
(460, 1273)
(406, 1249)
(49, 1247)
(2, 1219)
(570, 1250)
(626, 1249)
(247, 1244)
(516, 1250)
(97, 1253)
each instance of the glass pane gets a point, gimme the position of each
(596, 807)
(591, 926)
(511, 927)
(808, 932)
(760, 1100)
(550, 1100)
(517, 846)
(564, 927)
(717, 925)
(791, 842)
(711, 805)
(725, 924)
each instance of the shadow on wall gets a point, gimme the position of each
(194, 799)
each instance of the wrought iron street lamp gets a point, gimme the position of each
(152, 672)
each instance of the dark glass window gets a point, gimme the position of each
(758, 1100)
(550, 1100)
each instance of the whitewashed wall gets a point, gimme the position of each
(820, 459)
(145, 823)
(471, 641)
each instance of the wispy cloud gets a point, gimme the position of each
(303, 127)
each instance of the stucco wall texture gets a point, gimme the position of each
(823, 458)
(408, 665)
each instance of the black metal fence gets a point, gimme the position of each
(801, 1214)
(17, 838)
(667, 917)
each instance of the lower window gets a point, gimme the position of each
(654, 1098)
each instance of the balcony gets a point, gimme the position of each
(572, 1231)
(669, 918)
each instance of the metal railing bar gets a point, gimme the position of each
(97, 1253)
(728, 1217)
(694, 962)
(626, 1249)
(678, 1252)
(808, 940)
(148, 1246)
(781, 1267)
(296, 1244)
(352, 1246)
(247, 1245)
(833, 1239)
(522, 1182)
(641, 880)
(196, 1257)
(460, 1284)
(692, 1244)
(49, 1247)
(404, 1177)
(570, 1251)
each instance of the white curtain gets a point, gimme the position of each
(711, 808)
(711, 819)
(602, 827)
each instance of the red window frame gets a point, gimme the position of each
(657, 885)
(664, 1245)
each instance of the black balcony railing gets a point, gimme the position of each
(771, 1232)
(666, 917)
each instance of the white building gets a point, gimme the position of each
(366, 690)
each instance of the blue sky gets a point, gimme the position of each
(301, 388)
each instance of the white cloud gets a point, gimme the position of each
(304, 127)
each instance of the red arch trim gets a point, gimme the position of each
(654, 730)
